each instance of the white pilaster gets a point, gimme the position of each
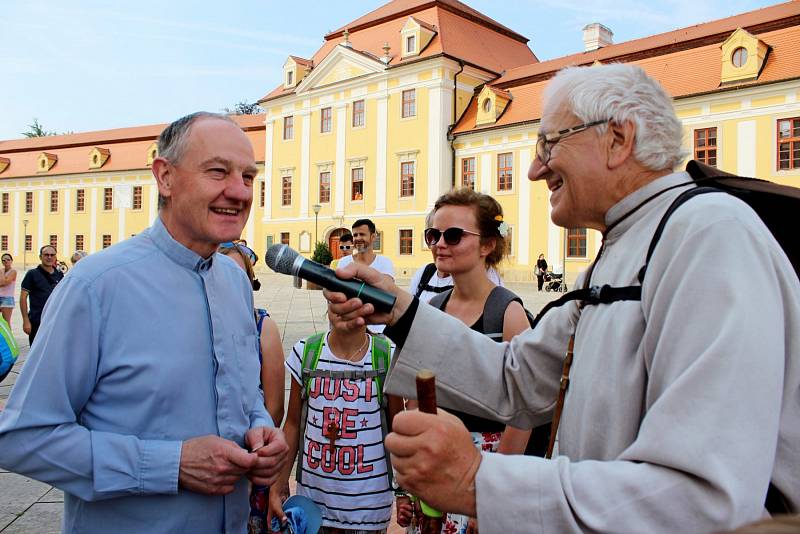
(15, 245)
(439, 154)
(92, 220)
(66, 243)
(270, 135)
(339, 172)
(121, 236)
(40, 230)
(305, 158)
(380, 156)
(153, 204)
(746, 147)
(554, 238)
(484, 181)
(250, 228)
(524, 209)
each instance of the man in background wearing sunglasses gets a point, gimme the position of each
(37, 286)
(683, 407)
(141, 398)
(345, 249)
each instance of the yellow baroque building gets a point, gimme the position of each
(401, 105)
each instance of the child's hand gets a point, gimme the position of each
(275, 505)
(404, 511)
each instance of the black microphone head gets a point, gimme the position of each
(280, 258)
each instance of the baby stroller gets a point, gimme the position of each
(554, 282)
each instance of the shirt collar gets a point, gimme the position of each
(624, 206)
(176, 251)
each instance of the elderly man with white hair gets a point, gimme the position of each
(682, 408)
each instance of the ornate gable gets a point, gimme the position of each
(4, 163)
(342, 64)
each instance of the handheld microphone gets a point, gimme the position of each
(282, 259)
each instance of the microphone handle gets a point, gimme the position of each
(321, 275)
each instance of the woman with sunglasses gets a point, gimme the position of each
(468, 236)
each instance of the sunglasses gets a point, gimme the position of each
(244, 249)
(345, 247)
(452, 236)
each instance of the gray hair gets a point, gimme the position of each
(172, 141)
(622, 93)
(77, 256)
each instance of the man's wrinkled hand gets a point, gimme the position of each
(353, 313)
(434, 458)
(269, 446)
(212, 465)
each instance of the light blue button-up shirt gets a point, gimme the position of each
(142, 346)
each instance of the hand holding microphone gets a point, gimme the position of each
(357, 294)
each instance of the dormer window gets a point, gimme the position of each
(415, 36)
(743, 57)
(152, 153)
(491, 104)
(739, 57)
(411, 44)
(294, 70)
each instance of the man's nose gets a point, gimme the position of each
(537, 170)
(237, 189)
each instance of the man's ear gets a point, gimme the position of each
(163, 173)
(621, 140)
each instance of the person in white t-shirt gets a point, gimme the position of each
(364, 235)
(334, 420)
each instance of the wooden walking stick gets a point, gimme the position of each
(431, 520)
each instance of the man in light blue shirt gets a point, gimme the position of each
(142, 392)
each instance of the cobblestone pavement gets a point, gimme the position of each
(30, 506)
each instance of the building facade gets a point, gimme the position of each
(406, 102)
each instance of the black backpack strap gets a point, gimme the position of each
(677, 203)
(438, 301)
(427, 274)
(494, 311)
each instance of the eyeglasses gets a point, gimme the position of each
(546, 142)
(243, 248)
(452, 236)
(345, 247)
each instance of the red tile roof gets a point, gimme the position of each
(400, 8)
(128, 148)
(468, 38)
(686, 62)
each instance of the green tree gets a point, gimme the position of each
(37, 130)
(244, 108)
(322, 254)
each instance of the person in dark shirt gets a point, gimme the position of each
(38, 284)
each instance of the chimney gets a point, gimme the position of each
(595, 36)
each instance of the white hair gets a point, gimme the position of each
(624, 93)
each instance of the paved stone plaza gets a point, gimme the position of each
(29, 506)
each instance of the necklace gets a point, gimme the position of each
(359, 349)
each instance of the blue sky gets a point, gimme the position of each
(80, 65)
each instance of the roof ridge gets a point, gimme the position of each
(773, 17)
(386, 13)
